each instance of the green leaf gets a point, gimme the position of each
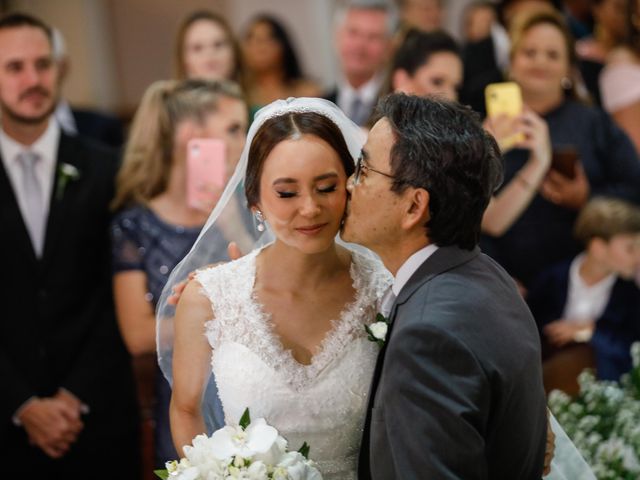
(381, 318)
(245, 420)
(304, 450)
(163, 474)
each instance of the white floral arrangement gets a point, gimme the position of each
(248, 451)
(604, 421)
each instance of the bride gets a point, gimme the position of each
(284, 326)
(282, 329)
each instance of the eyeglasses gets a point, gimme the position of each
(362, 170)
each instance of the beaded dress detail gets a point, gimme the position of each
(323, 403)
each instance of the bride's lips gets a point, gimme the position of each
(311, 229)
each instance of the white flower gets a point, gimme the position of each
(379, 330)
(297, 468)
(274, 454)
(69, 170)
(229, 441)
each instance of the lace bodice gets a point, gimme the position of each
(323, 403)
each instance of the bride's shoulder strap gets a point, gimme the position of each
(371, 273)
(225, 282)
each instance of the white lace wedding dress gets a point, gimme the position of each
(323, 403)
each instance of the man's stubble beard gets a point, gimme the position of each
(28, 121)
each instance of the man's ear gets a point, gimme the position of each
(401, 81)
(417, 208)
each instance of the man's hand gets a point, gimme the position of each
(567, 192)
(51, 426)
(234, 253)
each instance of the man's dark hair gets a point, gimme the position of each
(441, 146)
(418, 47)
(15, 20)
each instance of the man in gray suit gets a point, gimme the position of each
(457, 391)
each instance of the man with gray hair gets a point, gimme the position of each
(363, 34)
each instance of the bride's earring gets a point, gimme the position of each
(259, 218)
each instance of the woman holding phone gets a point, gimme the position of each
(430, 63)
(542, 64)
(155, 226)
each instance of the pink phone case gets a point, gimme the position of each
(206, 172)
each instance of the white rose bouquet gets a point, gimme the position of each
(249, 451)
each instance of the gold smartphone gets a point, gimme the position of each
(504, 98)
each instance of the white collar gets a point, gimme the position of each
(409, 267)
(367, 92)
(46, 146)
(603, 285)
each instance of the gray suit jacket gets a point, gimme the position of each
(457, 392)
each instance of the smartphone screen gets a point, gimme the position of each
(564, 160)
(505, 98)
(206, 172)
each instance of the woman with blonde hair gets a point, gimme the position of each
(155, 227)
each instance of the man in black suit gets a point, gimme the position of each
(457, 391)
(68, 404)
(364, 29)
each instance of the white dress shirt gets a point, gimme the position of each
(368, 93)
(46, 147)
(403, 275)
(586, 302)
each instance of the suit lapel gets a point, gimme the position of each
(10, 215)
(60, 201)
(443, 259)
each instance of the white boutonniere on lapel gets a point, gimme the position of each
(377, 331)
(66, 173)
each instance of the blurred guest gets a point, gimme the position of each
(609, 30)
(602, 159)
(430, 64)
(426, 64)
(156, 227)
(620, 80)
(68, 393)
(425, 15)
(364, 29)
(273, 69)
(593, 297)
(485, 52)
(99, 126)
(206, 48)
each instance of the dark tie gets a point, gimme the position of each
(34, 216)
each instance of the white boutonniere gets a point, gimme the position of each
(66, 172)
(377, 331)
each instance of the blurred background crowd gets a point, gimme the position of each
(103, 97)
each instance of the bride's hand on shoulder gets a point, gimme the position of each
(234, 253)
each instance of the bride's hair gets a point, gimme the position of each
(291, 125)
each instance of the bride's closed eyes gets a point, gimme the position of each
(326, 183)
(324, 189)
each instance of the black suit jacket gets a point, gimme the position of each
(100, 126)
(58, 327)
(457, 391)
